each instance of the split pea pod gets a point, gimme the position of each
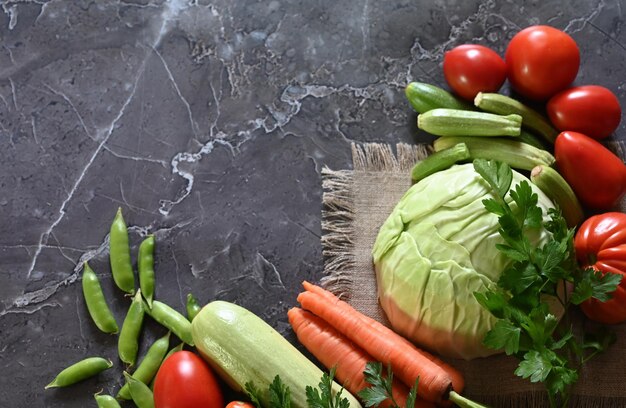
(128, 341)
(193, 307)
(149, 365)
(119, 254)
(145, 266)
(171, 320)
(96, 304)
(106, 401)
(141, 394)
(80, 371)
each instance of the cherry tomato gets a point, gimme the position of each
(601, 244)
(186, 381)
(473, 68)
(591, 109)
(240, 404)
(597, 176)
(541, 61)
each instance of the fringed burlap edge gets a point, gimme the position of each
(337, 228)
(338, 205)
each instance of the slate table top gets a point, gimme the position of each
(208, 123)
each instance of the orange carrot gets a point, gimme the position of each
(333, 349)
(407, 362)
(458, 382)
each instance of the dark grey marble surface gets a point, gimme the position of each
(208, 122)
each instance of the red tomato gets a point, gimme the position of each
(597, 176)
(601, 244)
(591, 109)
(541, 61)
(186, 381)
(473, 68)
(240, 404)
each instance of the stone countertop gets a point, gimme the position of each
(208, 123)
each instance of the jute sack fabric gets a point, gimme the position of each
(356, 204)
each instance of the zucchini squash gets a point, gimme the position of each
(242, 348)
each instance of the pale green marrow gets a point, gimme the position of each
(242, 348)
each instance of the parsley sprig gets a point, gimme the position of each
(380, 388)
(550, 350)
(279, 395)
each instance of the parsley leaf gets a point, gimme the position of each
(254, 394)
(280, 396)
(497, 174)
(380, 388)
(504, 335)
(595, 284)
(324, 398)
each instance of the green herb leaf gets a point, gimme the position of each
(527, 209)
(595, 284)
(323, 398)
(254, 394)
(280, 395)
(535, 365)
(380, 388)
(497, 174)
(504, 335)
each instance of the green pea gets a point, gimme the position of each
(80, 371)
(128, 341)
(145, 265)
(96, 304)
(119, 254)
(142, 395)
(147, 369)
(172, 320)
(193, 307)
(106, 401)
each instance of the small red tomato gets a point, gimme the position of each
(186, 381)
(590, 109)
(240, 404)
(597, 176)
(473, 68)
(541, 61)
(600, 243)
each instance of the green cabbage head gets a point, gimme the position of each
(433, 252)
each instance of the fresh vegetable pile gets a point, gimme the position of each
(476, 258)
(512, 259)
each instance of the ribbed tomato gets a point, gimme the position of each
(601, 244)
(597, 176)
(590, 109)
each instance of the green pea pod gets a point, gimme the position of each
(145, 265)
(169, 353)
(119, 254)
(147, 369)
(128, 341)
(142, 395)
(106, 401)
(96, 304)
(80, 371)
(193, 307)
(172, 320)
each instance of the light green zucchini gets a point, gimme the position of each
(242, 348)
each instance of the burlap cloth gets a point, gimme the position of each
(358, 201)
